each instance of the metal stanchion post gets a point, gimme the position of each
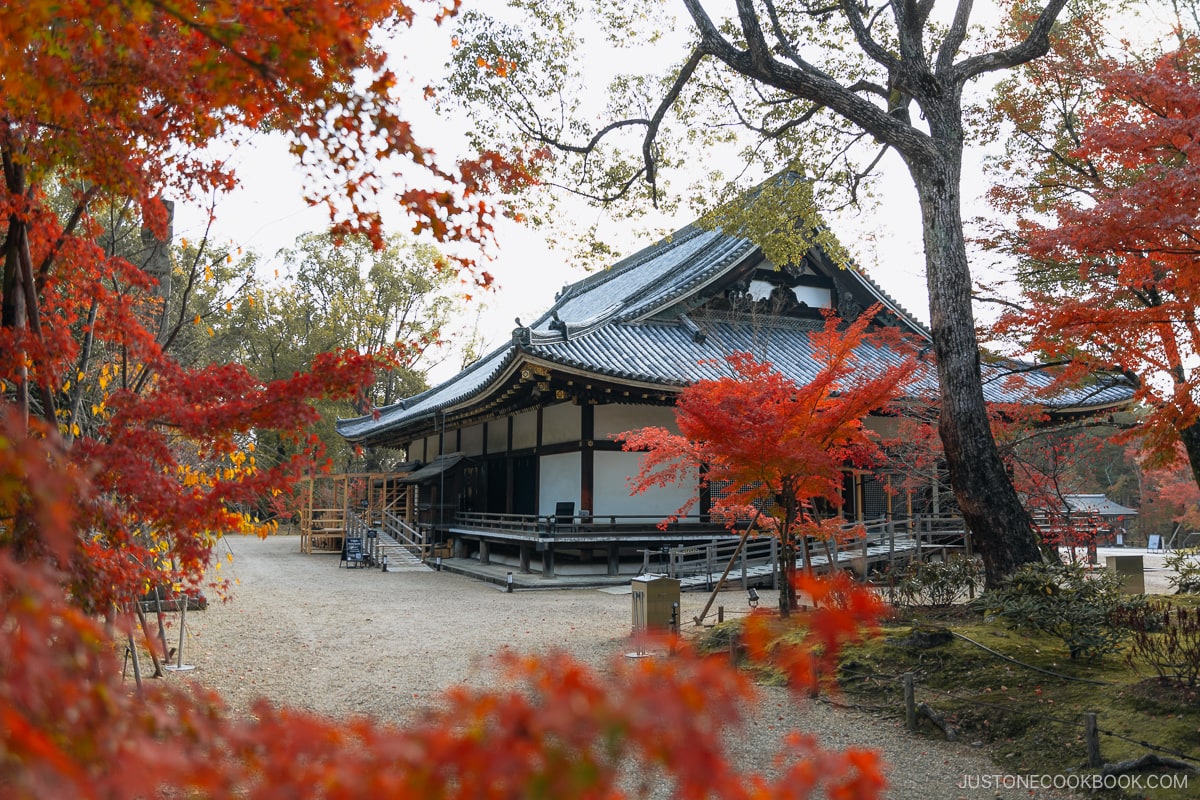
(179, 666)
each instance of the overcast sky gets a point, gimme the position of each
(267, 213)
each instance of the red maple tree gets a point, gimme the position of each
(769, 442)
(104, 103)
(1118, 286)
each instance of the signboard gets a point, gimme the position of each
(352, 552)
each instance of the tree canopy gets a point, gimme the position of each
(821, 89)
(1106, 230)
(394, 302)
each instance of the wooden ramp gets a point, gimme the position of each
(400, 557)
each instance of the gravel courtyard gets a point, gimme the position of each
(301, 631)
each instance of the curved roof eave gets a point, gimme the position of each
(485, 372)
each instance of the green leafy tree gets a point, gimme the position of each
(395, 302)
(821, 89)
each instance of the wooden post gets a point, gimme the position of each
(306, 518)
(866, 556)
(859, 498)
(910, 706)
(742, 553)
(145, 625)
(733, 647)
(1092, 736)
(739, 550)
(137, 667)
(891, 534)
(776, 562)
(720, 614)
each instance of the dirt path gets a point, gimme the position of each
(301, 631)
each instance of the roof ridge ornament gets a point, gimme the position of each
(522, 336)
(556, 323)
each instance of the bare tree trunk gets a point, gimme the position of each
(1002, 529)
(1190, 436)
(12, 294)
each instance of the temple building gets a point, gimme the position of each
(516, 456)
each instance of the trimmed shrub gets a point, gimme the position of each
(937, 583)
(1081, 608)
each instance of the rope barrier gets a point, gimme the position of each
(1149, 746)
(1029, 666)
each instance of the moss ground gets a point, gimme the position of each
(1029, 714)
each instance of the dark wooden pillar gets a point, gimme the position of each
(587, 457)
(508, 469)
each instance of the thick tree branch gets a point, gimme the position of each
(814, 85)
(760, 52)
(954, 36)
(1035, 45)
(685, 74)
(85, 357)
(862, 35)
(585, 149)
(785, 46)
(76, 215)
(33, 318)
(910, 27)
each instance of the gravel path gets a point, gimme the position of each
(300, 631)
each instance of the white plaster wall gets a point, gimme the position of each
(561, 423)
(813, 296)
(558, 481)
(497, 435)
(618, 418)
(525, 429)
(471, 442)
(610, 489)
(431, 448)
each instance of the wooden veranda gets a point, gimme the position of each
(382, 512)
